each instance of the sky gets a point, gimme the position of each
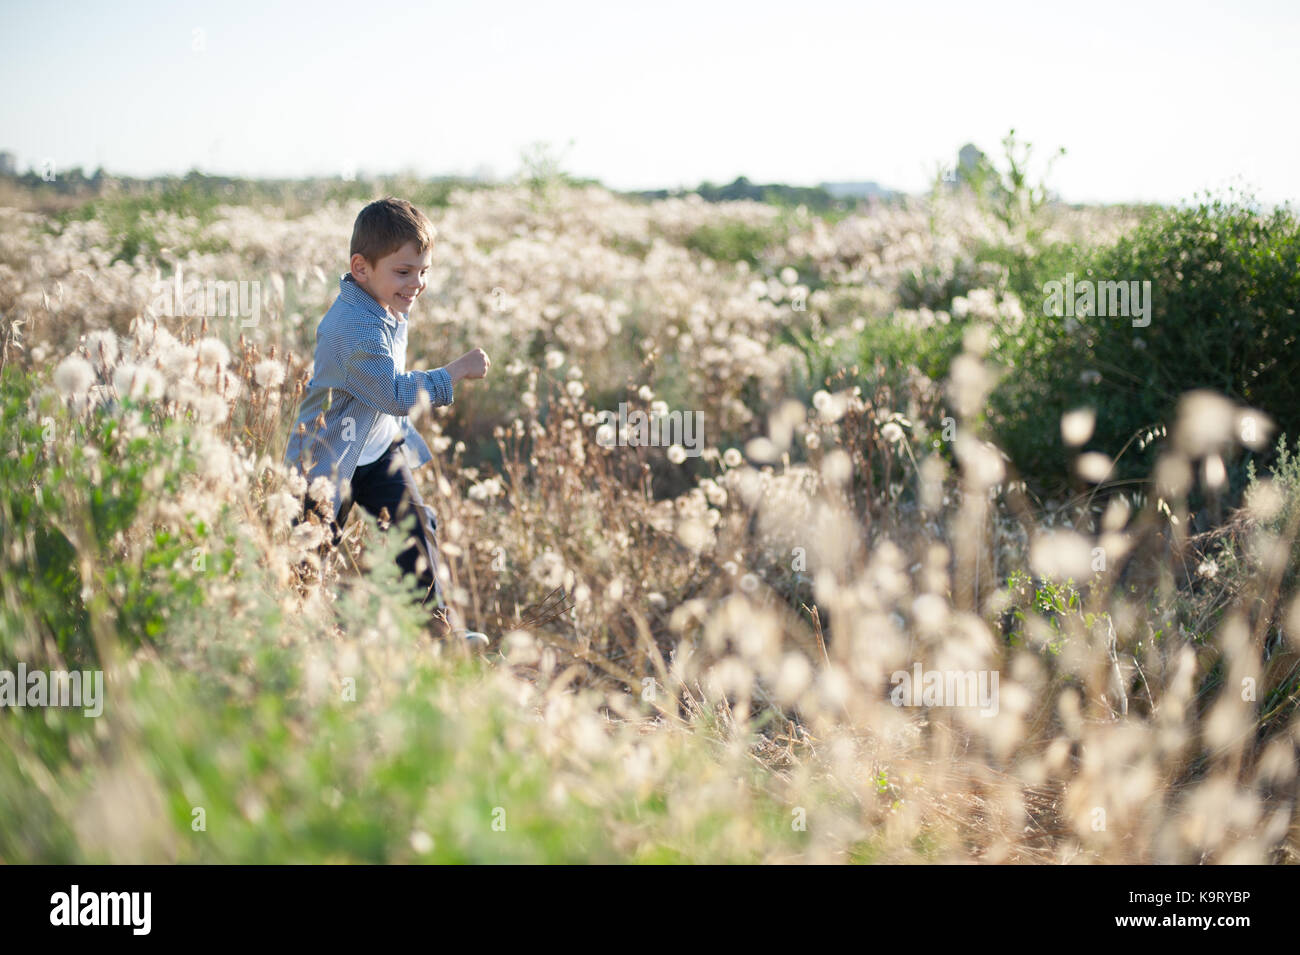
(1153, 102)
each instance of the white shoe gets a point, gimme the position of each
(477, 641)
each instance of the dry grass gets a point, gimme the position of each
(727, 643)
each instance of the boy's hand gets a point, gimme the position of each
(472, 364)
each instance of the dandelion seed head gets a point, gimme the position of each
(548, 569)
(1214, 473)
(761, 450)
(282, 508)
(1061, 555)
(421, 842)
(1077, 426)
(105, 340)
(270, 373)
(138, 381)
(177, 359)
(1173, 476)
(307, 536)
(213, 351)
(74, 376)
(837, 467)
(969, 383)
(485, 490)
(793, 678)
(977, 338)
(321, 489)
(1264, 500)
(930, 612)
(982, 463)
(1116, 514)
(212, 409)
(1093, 466)
(833, 687)
(296, 483)
(1205, 423)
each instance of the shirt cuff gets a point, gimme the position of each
(443, 394)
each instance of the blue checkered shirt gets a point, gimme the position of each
(355, 380)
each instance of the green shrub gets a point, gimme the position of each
(731, 242)
(1282, 521)
(934, 287)
(70, 488)
(1225, 280)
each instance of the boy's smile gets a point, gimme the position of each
(396, 280)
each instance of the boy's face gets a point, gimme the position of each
(396, 280)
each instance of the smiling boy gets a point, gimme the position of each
(353, 425)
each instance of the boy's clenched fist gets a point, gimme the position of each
(472, 364)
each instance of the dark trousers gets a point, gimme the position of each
(388, 483)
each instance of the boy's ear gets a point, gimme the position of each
(360, 267)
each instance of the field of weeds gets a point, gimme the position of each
(901, 603)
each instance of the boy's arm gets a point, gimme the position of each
(372, 376)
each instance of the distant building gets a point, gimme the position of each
(969, 159)
(8, 164)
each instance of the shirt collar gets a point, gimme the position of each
(354, 295)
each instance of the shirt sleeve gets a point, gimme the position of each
(371, 375)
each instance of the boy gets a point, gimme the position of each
(353, 425)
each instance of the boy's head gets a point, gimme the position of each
(392, 247)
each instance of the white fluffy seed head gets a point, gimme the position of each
(213, 351)
(1093, 466)
(1077, 426)
(1206, 423)
(138, 381)
(74, 376)
(269, 373)
(105, 342)
(1061, 555)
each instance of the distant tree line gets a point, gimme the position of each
(816, 198)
